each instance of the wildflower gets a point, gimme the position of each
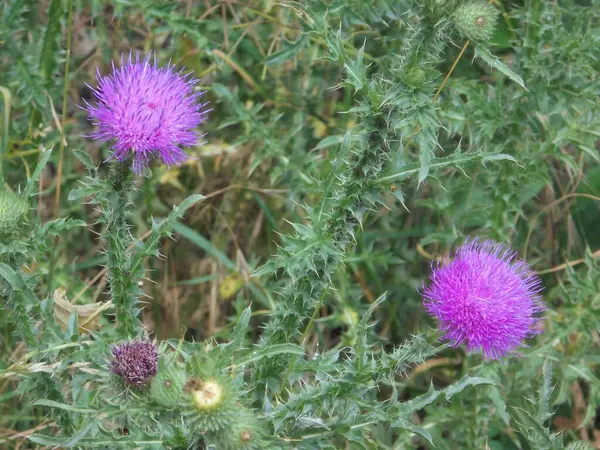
(485, 297)
(147, 110)
(135, 362)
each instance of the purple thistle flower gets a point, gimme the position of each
(135, 362)
(146, 110)
(485, 297)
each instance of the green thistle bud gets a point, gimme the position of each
(212, 403)
(13, 208)
(167, 388)
(414, 77)
(580, 445)
(476, 20)
(245, 433)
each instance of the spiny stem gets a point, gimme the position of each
(314, 316)
(122, 281)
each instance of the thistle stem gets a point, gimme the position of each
(122, 284)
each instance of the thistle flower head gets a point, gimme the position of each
(486, 298)
(147, 110)
(135, 362)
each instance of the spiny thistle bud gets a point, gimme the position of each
(167, 387)
(580, 445)
(135, 362)
(414, 77)
(476, 20)
(245, 433)
(13, 208)
(211, 403)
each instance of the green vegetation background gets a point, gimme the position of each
(486, 157)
